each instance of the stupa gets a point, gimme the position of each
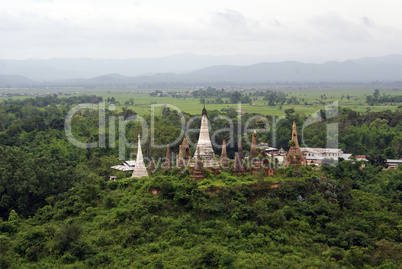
(197, 174)
(238, 168)
(151, 167)
(204, 145)
(240, 150)
(139, 168)
(168, 163)
(253, 151)
(224, 156)
(186, 151)
(180, 160)
(294, 156)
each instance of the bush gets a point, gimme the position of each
(112, 185)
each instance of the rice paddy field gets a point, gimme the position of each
(314, 96)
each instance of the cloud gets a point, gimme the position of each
(232, 25)
(335, 27)
(127, 28)
(368, 22)
(230, 18)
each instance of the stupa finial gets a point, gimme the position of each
(204, 111)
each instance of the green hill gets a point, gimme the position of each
(342, 216)
(58, 211)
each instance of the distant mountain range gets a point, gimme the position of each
(186, 69)
(56, 69)
(15, 80)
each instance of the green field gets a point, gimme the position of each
(142, 100)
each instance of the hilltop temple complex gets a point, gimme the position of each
(257, 161)
(260, 160)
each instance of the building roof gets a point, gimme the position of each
(361, 159)
(320, 150)
(124, 166)
(263, 145)
(129, 163)
(394, 161)
(312, 158)
(345, 156)
(271, 149)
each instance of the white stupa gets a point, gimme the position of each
(139, 169)
(204, 145)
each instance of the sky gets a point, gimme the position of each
(310, 30)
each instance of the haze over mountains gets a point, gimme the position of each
(56, 69)
(191, 69)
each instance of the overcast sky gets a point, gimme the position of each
(309, 30)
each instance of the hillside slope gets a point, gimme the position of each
(170, 221)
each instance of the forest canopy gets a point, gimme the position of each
(58, 208)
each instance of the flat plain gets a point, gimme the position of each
(311, 99)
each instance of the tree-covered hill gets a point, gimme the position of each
(57, 208)
(349, 217)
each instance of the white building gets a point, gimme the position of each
(316, 156)
(322, 153)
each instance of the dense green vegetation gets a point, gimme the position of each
(351, 217)
(377, 99)
(57, 208)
